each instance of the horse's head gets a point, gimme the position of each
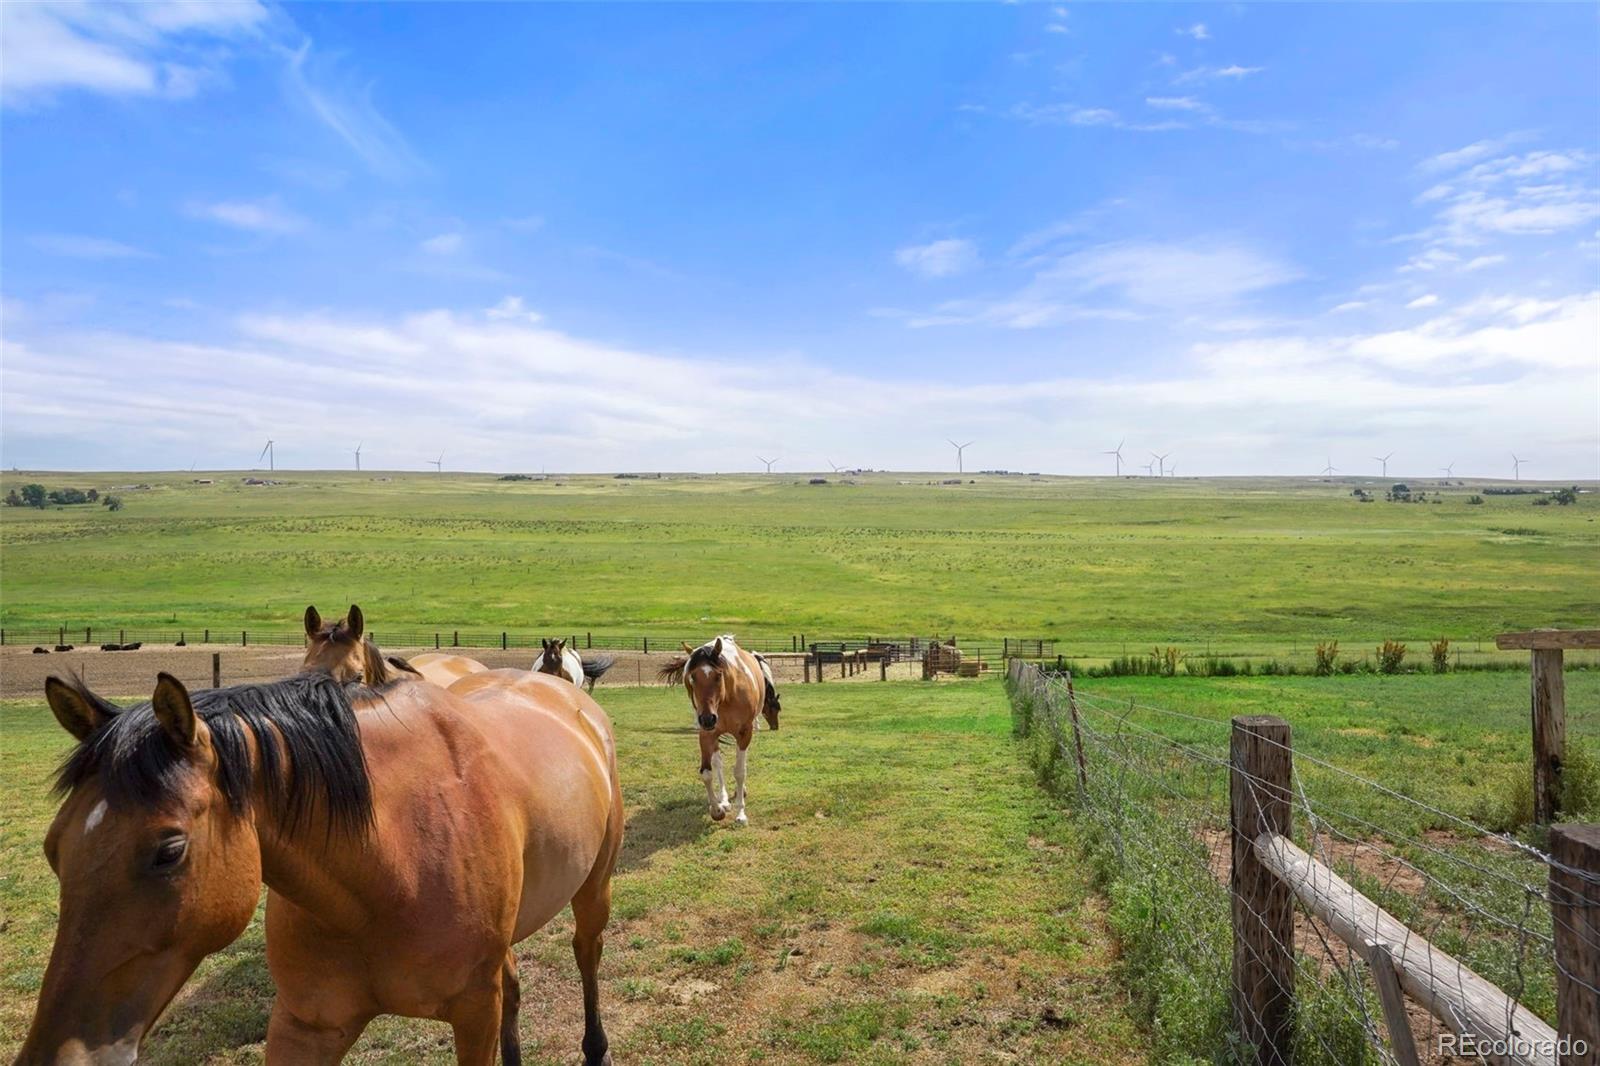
(702, 676)
(554, 655)
(157, 867)
(339, 648)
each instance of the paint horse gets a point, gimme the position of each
(728, 687)
(558, 659)
(408, 837)
(342, 650)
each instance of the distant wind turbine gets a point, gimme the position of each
(358, 455)
(1516, 465)
(1384, 460)
(1162, 461)
(272, 459)
(961, 449)
(1117, 451)
(1149, 468)
(1173, 470)
(835, 469)
(438, 464)
(1330, 468)
(769, 462)
(1449, 470)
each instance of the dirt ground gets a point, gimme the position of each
(133, 673)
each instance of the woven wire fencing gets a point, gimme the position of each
(1152, 791)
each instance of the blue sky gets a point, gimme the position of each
(616, 237)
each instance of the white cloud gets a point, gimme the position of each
(511, 309)
(1114, 282)
(443, 244)
(1348, 305)
(1198, 31)
(1462, 382)
(1233, 71)
(1533, 194)
(73, 246)
(1176, 103)
(257, 216)
(1479, 262)
(156, 48)
(939, 259)
(344, 105)
(1236, 71)
(524, 223)
(1427, 300)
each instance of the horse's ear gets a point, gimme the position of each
(77, 715)
(561, 645)
(716, 649)
(687, 650)
(354, 623)
(313, 621)
(173, 710)
(545, 642)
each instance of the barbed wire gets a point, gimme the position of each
(1159, 808)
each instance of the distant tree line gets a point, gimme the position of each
(36, 495)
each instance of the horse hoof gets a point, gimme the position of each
(718, 814)
(742, 819)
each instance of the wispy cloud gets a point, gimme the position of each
(73, 246)
(443, 244)
(1232, 72)
(1177, 103)
(256, 216)
(346, 108)
(1427, 300)
(1532, 194)
(147, 49)
(1197, 30)
(938, 259)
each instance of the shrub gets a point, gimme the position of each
(12, 499)
(1566, 496)
(33, 495)
(1327, 655)
(1542, 501)
(1167, 660)
(1441, 655)
(93, 494)
(1391, 655)
(113, 503)
(1474, 499)
(67, 497)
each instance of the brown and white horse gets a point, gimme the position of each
(728, 687)
(406, 848)
(558, 659)
(444, 668)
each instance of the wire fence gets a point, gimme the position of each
(1157, 795)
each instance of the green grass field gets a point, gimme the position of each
(1238, 564)
(903, 893)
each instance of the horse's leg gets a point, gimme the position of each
(739, 762)
(722, 783)
(591, 910)
(293, 1042)
(510, 1002)
(709, 757)
(477, 1019)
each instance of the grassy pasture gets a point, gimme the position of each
(903, 893)
(1239, 564)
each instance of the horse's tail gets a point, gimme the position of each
(672, 673)
(771, 704)
(594, 669)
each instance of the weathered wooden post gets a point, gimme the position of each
(1077, 744)
(208, 636)
(1402, 1042)
(455, 639)
(816, 657)
(216, 669)
(87, 635)
(436, 640)
(588, 639)
(1548, 708)
(1575, 906)
(1263, 911)
(883, 667)
(647, 645)
(244, 638)
(502, 640)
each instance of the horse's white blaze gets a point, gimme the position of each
(97, 814)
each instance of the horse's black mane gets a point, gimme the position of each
(304, 729)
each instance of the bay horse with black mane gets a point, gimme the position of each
(408, 836)
(342, 650)
(728, 687)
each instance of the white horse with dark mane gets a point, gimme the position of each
(558, 659)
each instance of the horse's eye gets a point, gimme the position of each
(169, 853)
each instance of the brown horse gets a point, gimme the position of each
(406, 848)
(727, 688)
(562, 661)
(444, 668)
(340, 650)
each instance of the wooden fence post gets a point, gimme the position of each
(816, 657)
(87, 635)
(216, 669)
(883, 668)
(1077, 744)
(588, 639)
(244, 638)
(436, 640)
(1575, 905)
(455, 639)
(647, 645)
(1549, 732)
(208, 636)
(502, 640)
(1402, 1042)
(1263, 911)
